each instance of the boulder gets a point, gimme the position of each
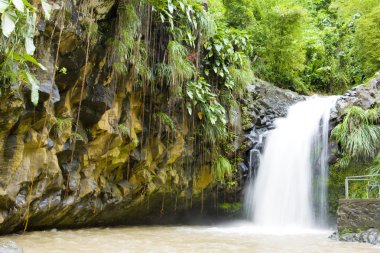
(262, 104)
(7, 246)
(371, 236)
(364, 95)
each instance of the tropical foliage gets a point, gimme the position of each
(318, 45)
(221, 168)
(18, 20)
(358, 135)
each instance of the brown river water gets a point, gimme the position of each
(222, 238)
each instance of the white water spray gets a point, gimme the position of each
(290, 189)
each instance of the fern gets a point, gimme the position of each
(221, 168)
(180, 68)
(60, 125)
(124, 130)
(242, 76)
(77, 137)
(165, 120)
(125, 42)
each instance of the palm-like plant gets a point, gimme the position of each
(358, 134)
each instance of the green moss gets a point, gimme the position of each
(231, 208)
(336, 183)
(346, 231)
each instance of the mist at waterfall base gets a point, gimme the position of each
(289, 191)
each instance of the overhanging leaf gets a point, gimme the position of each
(34, 88)
(47, 8)
(29, 46)
(170, 6)
(190, 94)
(189, 108)
(31, 59)
(218, 47)
(19, 5)
(3, 5)
(8, 23)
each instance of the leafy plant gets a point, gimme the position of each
(180, 68)
(187, 19)
(125, 42)
(221, 169)
(358, 135)
(18, 20)
(211, 111)
(165, 121)
(227, 58)
(124, 129)
(76, 136)
(60, 125)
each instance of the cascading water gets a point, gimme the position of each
(290, 187)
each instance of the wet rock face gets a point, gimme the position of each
(261, 106)
(117, 164)
(265, 102)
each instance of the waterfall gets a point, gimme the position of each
(290, 189)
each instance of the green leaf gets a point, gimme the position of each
(8, 20)
(190, 94)
(218, 47)
(47, 8)
(213, 119)
(195, 24)
(31, 59)
(188, 15)
(162, 18)
(34, 88)
(19, 5)
(189, 109)
(3, 5)
(170, 6)
(181, 5)
(27, 4)
(29, 46)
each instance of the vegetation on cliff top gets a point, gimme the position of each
(215, 47)
(315, 45)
